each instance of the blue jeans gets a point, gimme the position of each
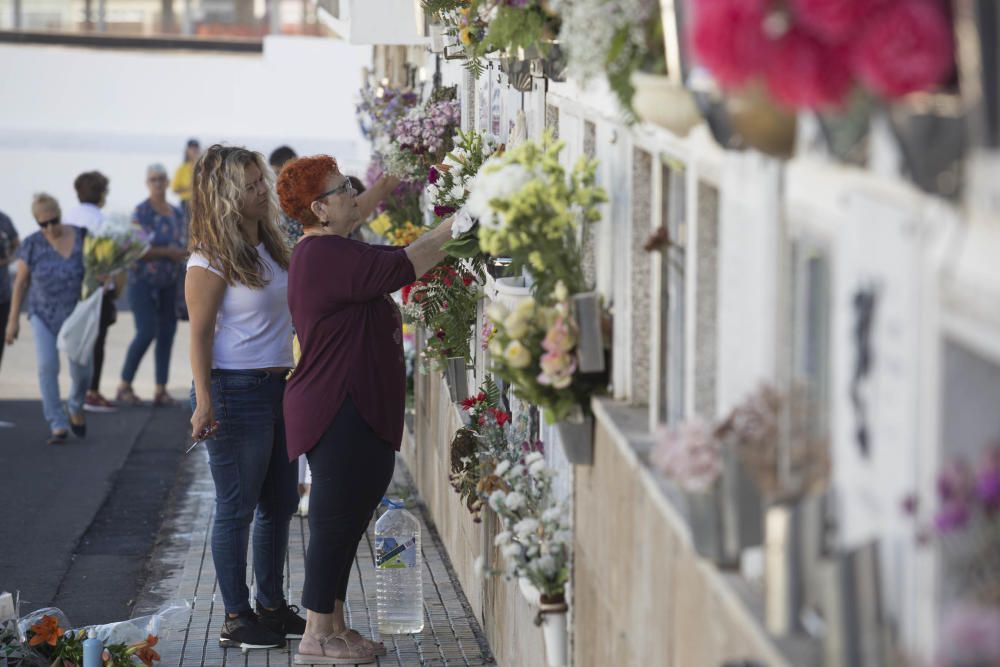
(155, 318)
(48, 378)
(254, 481)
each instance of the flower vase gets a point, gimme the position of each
(576, 432)
(744, 119)
(590, 340)
(856, 633)
(511, 291)
(456, 377)
(929, 131)
(661, 101)
(554, 625)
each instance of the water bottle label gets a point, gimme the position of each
(391, 555)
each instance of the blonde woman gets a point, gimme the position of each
(241, 351)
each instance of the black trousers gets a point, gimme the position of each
(351, 470)
(109, 313)
(4, 313)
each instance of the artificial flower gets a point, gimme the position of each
(46, 631)
(517, 355)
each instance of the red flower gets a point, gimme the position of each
(806, 73)
(481, 396)
(432, 175)
(905, 48)
(501, 416)
(831, 20)
(728, 38)
(447, 281)
(405, 293)
(466, 279)
(469, 403)
(482, 420)
(441, 211)
(418, 297)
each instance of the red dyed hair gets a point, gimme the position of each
(301, 181)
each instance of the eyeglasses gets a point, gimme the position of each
(344, 188)
(45, 223)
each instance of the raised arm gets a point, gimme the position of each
(203, 291)
(370, 198)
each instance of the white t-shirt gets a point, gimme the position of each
(253, 328)
(87, 216)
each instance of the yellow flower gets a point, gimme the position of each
(517, 355)
(381, 224)
(465, 36)
(535, 258)
(515, 325)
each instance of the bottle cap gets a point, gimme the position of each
(92, 633)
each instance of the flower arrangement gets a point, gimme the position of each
(812, 53)
(444, 301)
(485, 26)
(477, 446)
(533, 348)
(113, 248)
(379, 107)
(535, 539)
(448, 183)
(531, 209)
(613, 38)
(689, 454)
(420, 139)
(404, 234)
(395, 211)
(967, 525)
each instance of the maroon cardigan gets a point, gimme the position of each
(351, 337)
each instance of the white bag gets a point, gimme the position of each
(78, 333)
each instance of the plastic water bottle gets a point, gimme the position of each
(398, 572)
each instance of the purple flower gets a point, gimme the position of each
(910, 504)
(952, 516)
(988, 486)
(953, 481)
(970, 635)
(441, 211)
(432, 175)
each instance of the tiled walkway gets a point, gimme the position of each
(451, 635)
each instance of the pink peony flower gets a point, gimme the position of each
(905, 48)
(833, 21)
(557, 369)
(559, 337)
(807, 73)
(729, 39)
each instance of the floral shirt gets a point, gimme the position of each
(56, 281)
(164, 231)
(8, 236)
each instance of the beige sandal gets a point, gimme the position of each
(354, 652)
(377, 648)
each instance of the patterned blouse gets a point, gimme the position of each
(165, 231)
(56, 281)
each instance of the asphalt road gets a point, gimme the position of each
(79, 521)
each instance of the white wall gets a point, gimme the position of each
(66, 110)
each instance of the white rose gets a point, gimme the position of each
(501, 468)
(515, 500)
(526, 526)
(511, 550)
(502, 538)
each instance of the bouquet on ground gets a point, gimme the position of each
(44, 638)
(444, 301)
(533, 347)
(113, 248)
(530, 209)
(420, 139)
(535, 539)
(477, 446)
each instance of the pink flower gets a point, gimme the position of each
(970, 635)
(904, 48)
(728, 38)
(806, 73)
(689, 455)
(831, 20)
(557, 369)
(559, 338)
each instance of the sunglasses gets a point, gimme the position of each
(344, 188)
(45, 223)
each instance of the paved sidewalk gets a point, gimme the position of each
(451, 635)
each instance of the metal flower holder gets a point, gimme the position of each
(577, 435)
(456, 377)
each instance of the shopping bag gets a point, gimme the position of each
(79, 332)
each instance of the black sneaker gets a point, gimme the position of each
(284, 620)
(246, 631)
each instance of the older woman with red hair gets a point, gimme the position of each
(344, 403)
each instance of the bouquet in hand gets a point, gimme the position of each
(113, 248)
